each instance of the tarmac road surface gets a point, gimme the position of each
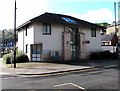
(102, 78)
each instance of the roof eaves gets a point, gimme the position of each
(79, 21)
(24, 24)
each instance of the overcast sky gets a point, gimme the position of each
(89, 10)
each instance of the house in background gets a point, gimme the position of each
(110, 40)
(111, 28)
(56, 36)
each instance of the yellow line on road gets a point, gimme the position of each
(70, 84)
(109, 66)
(51, 73)
(62, 84)
(10, 78)
(77, 86)
(37, 75)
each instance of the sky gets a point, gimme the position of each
(94, 11)
(119, 11)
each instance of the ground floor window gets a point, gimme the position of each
(36, 52)
(26, 48)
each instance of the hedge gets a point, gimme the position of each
(7, 58)
(20, 57)
(103, 55)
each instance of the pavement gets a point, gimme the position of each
(46, 68)
(2, 65)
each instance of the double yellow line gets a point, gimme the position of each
(51, 74)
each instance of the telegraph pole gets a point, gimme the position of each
(3, 41)
(115, 26)
(118, 26)
(115, 17)
(15, 36)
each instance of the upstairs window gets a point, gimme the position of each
(26, 30)
(26, 48)
(46, 29)
(93, 32)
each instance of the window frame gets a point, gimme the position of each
(26, 30)
(46, 29)
(26, 48)
(93, 32)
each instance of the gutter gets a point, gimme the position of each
(24, 24)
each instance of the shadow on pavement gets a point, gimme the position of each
(89, 62)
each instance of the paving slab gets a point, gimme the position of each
(41, 70)
(44, 68)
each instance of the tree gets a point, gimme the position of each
(103, 24)
(8, 37)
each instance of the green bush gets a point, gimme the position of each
(106, 55)
(95, 55)
(20, 57)
(115, 55)
(7, 58)
(103, 55)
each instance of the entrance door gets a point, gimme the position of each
(36, 52)
(74, 44)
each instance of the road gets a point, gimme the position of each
(101, 78)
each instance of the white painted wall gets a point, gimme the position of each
(109, 48)
(50, 42)
(20, 40)
(54, 41)
(29, 39)
(23, 40)
(95, 42)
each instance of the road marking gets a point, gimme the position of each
(51, 74)
(109, 66)
(17, 75)
(1, 73)
(10, 78)
(70, 84)
(38, 75)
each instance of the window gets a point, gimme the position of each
(93, 32)
(56, 53)
(36, 52)
(27, 48)
(26, 30)
(46, 29)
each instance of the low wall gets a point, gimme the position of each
(110, 48)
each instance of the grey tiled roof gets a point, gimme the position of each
(60, 19)
(107, 37)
